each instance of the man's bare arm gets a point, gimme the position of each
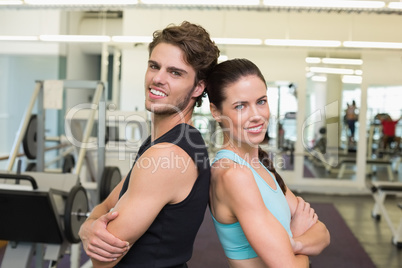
(150, 189)
(98, 243)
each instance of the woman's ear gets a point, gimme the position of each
(199, 89)
(216, 114)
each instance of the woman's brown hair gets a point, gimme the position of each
(225, 74)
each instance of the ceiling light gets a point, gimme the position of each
(352, 79)
(342, 61)
(395, 5)
(313, 60)
(326, 70)
(302, 43)
(132, 39)
(18, 38)
(75, 38)
(237, 41)
(325, 4)
(318, 78)
(309, 74)
(11, 2)
(81, 2)
(204, 2)
(358, 72)
(363, 44)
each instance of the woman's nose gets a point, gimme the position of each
(255, 113)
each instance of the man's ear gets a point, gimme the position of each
(216, 114)
(199, 89)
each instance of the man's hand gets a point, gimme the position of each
(98, 243)
(303, 218)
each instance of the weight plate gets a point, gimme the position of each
(76, 206)
(110, 178)
(68, 163)
(31, 167)
(29, 142)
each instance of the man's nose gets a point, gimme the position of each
(159, 77)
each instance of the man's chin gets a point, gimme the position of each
(162, 109)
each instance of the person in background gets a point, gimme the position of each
(259, 221)
(161, 203)
(389, 132)
(351, 118)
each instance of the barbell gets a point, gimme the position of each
(30, 139)
(67, 167)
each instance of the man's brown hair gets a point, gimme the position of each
(199, 50)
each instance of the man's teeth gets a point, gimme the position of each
(158, 93)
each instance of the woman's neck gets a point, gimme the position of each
(248, 152)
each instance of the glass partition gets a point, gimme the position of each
(282, 129)
(384, 127)
(330, 130)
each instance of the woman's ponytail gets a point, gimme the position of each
(264, 159)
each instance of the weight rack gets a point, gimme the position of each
(67, 186)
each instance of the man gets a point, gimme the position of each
(161, 203)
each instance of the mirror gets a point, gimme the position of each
(282, 129)
(384, 129)
(330, 130)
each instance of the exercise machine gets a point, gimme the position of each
(380, 190)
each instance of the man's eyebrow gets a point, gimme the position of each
(170, 68)
(175, 69)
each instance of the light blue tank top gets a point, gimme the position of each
(231, 236)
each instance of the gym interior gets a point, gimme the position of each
(72, 116)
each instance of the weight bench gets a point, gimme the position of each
(49, 216)
(380, 190)
(369, 162)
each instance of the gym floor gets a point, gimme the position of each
(374, 236)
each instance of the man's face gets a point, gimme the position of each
(169, 81)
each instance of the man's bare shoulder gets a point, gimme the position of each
(164, 159)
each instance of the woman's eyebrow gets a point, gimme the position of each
(239, 102)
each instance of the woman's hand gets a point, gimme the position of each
(303, 218)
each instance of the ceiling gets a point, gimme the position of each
(263, 7)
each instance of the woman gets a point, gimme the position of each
(259, 221)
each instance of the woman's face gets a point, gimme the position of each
(245, 112)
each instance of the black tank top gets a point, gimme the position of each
(169, 240)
